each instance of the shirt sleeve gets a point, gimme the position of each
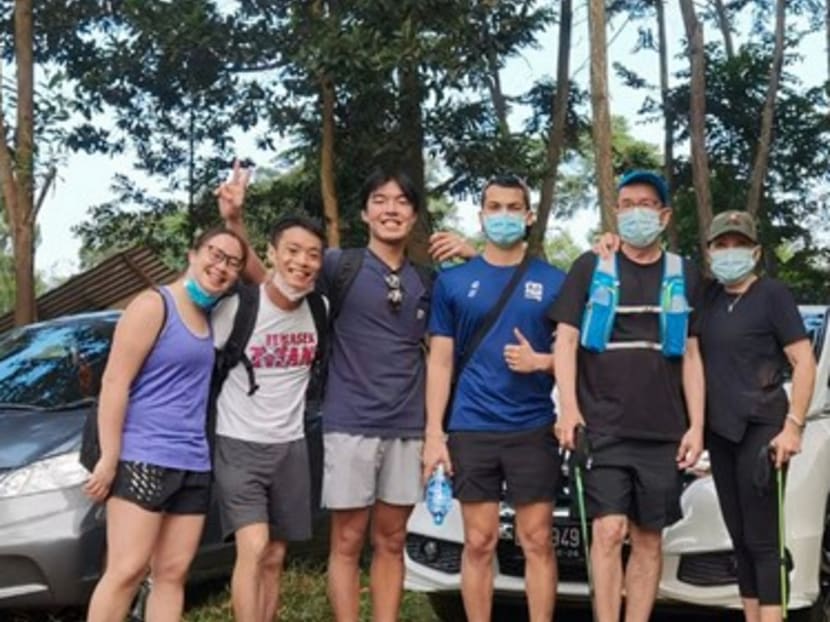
(569, 305)
(696, 293)
(441, 317)
(783, 314)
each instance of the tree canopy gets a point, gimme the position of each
(332, 89)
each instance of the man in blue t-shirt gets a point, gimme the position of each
(500, 424)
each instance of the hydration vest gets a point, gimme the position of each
(603, 306)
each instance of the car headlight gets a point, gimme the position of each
(53, 473)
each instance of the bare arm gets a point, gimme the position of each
(439, 378)
(800, 355)
(564, 356)
(788, 442)
(134, 337)
(231, 196)
(694, 392)
(446, 245)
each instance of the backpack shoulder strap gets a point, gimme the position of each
(348, 266)
(319, 312)
(233, 352)
(426, 274)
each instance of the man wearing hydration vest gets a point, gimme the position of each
(629, 370)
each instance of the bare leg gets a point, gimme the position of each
(752, 610)
(388, 541)
(175, 548)
(348, 531)
(251, 547)
(481, 533)
(534, 528)
(770, 613)
(271, 575)
(131, 536)
(642, 574)
(606, 563)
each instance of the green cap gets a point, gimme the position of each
(733, 221)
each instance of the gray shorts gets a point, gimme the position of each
(264, 483)
(360, 470)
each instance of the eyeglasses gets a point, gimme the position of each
(394, 293)
(217, 255)
(647, 203)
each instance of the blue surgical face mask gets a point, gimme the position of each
(197, 294)
(505, 230)
(639, 226)
(732, 265)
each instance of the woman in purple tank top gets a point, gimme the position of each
(154, 470)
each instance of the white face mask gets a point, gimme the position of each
(289, 291)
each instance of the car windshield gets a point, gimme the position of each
(54, 364)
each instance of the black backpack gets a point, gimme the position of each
(233, 352)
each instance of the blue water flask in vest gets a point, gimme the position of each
(598, 319)
(675, 321)
(439, 495)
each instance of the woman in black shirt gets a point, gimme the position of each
(752, 331)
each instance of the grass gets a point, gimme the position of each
(304, 600)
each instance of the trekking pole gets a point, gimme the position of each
(782, 549)
(581, 458)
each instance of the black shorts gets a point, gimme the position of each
(264, 483)
(635, 478)
(159, 489)
(527, 462)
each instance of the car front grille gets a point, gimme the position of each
(440, 555)
(708, 569)
(512, 564)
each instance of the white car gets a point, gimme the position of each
(698, 562)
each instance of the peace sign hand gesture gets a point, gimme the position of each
(230, 195)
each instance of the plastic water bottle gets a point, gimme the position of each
(439, 495)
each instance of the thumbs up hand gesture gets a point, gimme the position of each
(521, 358)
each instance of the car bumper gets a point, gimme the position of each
(700, 537)
(51, 545)
(443, 573)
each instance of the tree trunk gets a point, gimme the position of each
(725, 29)
(412, 130)
(327, 188)
(556, 135)
(601, 114)
(697, 120)
(761, 164)
(668, 117)
(25, 308)
(496, 93)
(16, 176)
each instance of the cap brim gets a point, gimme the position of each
(731, 229)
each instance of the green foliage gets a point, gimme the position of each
(304, 599)
(561, 250)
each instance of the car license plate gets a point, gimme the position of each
(567, 539)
